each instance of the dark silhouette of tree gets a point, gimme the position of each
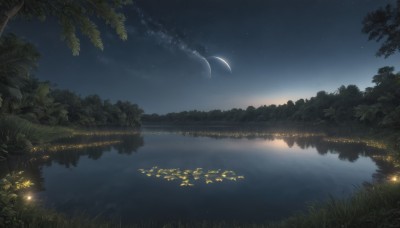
(71, 15)
(383, 24)
(72, 102)
(38, 105)
(17, 60)
(382, 102)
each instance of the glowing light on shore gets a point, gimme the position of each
(62, 147)
(367, 142)
(244, 134)
(105, 133)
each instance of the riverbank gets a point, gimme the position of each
(19, 136)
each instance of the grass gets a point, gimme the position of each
(378, 206)
(42, 218)
(17, 135)
(12, 126)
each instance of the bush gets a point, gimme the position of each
(11, 199)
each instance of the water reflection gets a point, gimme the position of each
(188, 176)
(67, 152)
(282, 171)
(349, 148)
(302, 139)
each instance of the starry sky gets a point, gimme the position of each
(279, 50)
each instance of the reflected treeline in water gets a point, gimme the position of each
(92, 146)
(188, 177)
(348, 148)
(68, 151)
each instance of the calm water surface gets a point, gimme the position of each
(282, 175)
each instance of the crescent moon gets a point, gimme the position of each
(198, 55)
(223, 61)
(208, 66)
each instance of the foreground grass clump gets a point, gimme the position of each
(17, 135)
(378, 206)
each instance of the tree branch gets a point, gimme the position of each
(8, 15)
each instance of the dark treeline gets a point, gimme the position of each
(36, 101)
(378, 105)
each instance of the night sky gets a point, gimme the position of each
(278, 50)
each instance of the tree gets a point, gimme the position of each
(392, 119)
(72, 102)
(38, 106)
(130, 113)
(384, 24)
(17, 59)
(367, 113)
(330, 113)
(72, 14)
(384, 74)
(387, 85)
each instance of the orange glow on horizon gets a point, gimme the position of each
(277, 98)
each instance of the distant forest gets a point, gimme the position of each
(38, 102)
(378, 106)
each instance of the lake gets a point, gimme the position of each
(168, 174)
